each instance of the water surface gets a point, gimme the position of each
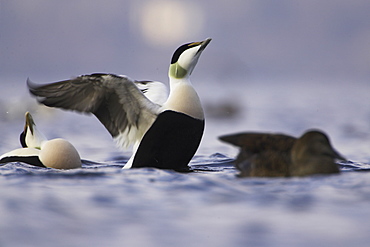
(103, 205)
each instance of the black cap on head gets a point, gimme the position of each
(181, 49)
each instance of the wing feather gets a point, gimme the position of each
(115, 100)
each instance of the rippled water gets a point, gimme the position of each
(103, 205)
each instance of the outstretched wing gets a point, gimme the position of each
(115, 100)
(254, 142)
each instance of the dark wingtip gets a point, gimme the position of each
(29, 82)
(232, 139)
(31, 86)
(222, 138)
(34, 90)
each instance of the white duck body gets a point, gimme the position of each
(38, 151)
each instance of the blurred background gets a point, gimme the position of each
(49, 40)
(312, 57)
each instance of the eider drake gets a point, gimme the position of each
(279, 155)
(38, 151)
(165, 134)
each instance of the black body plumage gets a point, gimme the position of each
(170, 142)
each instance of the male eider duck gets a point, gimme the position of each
(38, 151)
(278, 155)
(164, 135)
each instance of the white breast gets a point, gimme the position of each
(183, 98)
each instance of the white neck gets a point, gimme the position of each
(36, 139)
(183, 98)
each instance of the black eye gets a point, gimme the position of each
(181, 49)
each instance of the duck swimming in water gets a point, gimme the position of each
(38, 151)
(164, 135)
(278, 155)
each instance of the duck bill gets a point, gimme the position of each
(204, 45)
(29, 123)
(338, 156)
